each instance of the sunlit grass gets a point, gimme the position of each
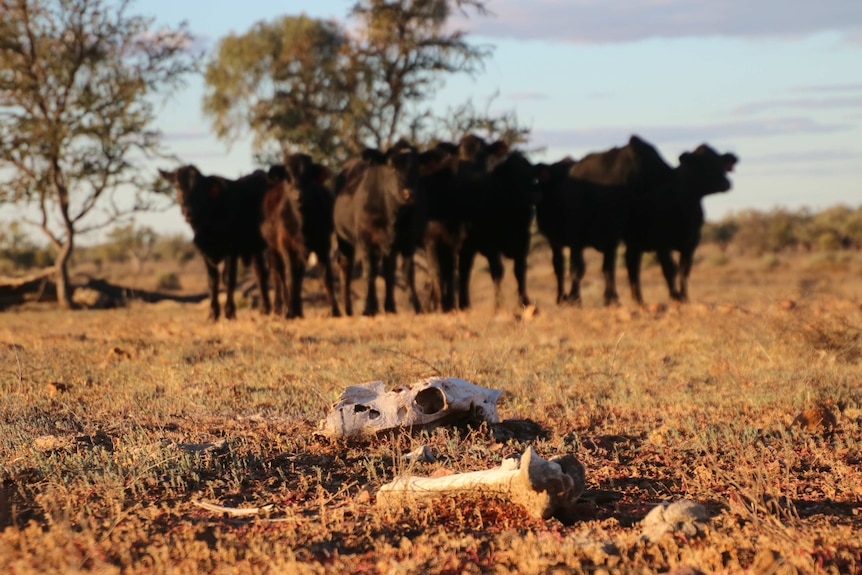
(112, 423)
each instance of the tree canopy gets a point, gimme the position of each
(77, 86)
(300, 84)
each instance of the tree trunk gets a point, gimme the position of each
(61, 267)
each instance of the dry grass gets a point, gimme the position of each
(698, 401)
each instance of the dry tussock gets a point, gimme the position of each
(113, 423)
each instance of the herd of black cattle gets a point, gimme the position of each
(452, 201)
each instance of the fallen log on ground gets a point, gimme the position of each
(95, 293)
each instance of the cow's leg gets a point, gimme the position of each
(410, 274)
(212, 283)
(686, 259)
(325, 261)
(390, 262)
(520, 268)
(446, 259)
(578, 269)
(230, 272)
(435, 275)
(465, 268)
(559, 271)
(372, 262)
(669, 270)
(297, 273)
(495, 263)
(261, 273)
(276, 267)
(609, 264)
(633, 266)
(346, 259)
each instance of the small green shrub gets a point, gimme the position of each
(168, 281)
(770, 262)
(719, 260)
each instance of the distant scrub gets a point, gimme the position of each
(168, 281)
(754, 232)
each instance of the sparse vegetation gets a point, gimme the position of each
(168, 281)
(756, 232)
(99, 411)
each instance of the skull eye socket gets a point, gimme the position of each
(430, 401)
(372, 413)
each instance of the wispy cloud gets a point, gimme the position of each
(593, 21)
(806, 157)
(523, 96)
(603, 137)
(827, 88)
(799, 103)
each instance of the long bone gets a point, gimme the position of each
(545, 488)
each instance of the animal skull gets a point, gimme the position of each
(368, 409)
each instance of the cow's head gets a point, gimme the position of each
(447, 149)
(190, 184)
(279, 173)
(518, 177)
(300, 168)
(705, 170)
(405, 164)
(472, 148)
(549, 176)
(373, 156)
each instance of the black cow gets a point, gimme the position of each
(498, 211)
(669, 217)
(588, 204)
(554, 221)
(447, 172)
(298, 221)
(373, 214)
(225, 216)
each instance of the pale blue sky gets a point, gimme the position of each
(778, 82)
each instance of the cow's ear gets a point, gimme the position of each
(170, 177)
(729, 162)
(686, 157)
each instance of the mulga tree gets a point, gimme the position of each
(404, 51)
(315, 86)
(283, 81)
(78, 87)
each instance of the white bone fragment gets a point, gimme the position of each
(684, 516)
(233, 511)
(368, 409)
(545, 488)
